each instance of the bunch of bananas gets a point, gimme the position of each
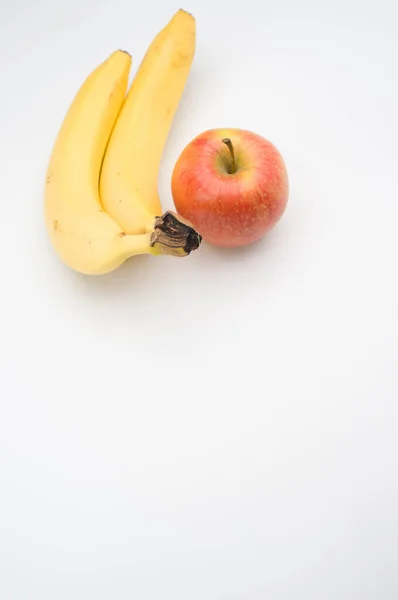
(101, 197)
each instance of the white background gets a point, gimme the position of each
(220, 427)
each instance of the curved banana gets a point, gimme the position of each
(85, 237)
(129, 176)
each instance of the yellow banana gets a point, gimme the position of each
(84, 236)
(129, 175)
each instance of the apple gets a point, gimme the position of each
(232, 185)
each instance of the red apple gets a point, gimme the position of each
(231, 184)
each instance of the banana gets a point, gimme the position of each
(84, 236)
(129, 175)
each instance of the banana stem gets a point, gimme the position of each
(174, 235)
(170, 234)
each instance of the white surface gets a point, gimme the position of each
(222, 427)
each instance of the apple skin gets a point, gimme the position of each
(230, 209)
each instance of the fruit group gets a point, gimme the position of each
(232, 184)
(129, 175)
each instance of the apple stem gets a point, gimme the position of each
(228, 143)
